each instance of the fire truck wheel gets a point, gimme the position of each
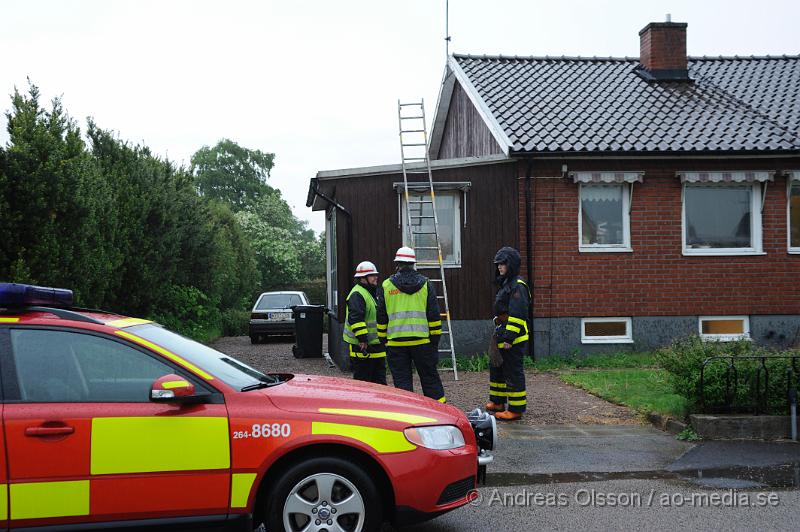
(324, 494)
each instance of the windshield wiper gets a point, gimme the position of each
(257, 386)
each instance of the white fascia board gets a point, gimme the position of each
(480, 105)
(442, 108)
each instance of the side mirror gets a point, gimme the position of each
(173, 389)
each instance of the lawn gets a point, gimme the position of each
(642, 389)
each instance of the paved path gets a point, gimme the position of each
(578, 448)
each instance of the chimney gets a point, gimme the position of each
(662, 51)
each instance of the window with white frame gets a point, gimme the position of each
(448, 208)
(721, 218)
(606, 331)
(604, 217)
(794, 212)
(724, 328)
(332, 259)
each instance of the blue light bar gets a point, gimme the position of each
(13, 295)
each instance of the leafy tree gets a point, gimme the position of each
(56, 203)
(231, 173)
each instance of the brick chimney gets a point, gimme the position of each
(662, 51)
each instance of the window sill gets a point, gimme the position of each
(725, 338)
(606, 340)
(590, 249)
(794, 251)
(429, 266)
(721, 253)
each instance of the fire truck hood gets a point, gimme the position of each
(316, 394)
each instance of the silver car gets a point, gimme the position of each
(272, 314)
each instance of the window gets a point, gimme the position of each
(448, 206)
(724, 328)
(59, 366)
(604, 217)
(331, 256)
(794, 215)
(721, 219)
(282, 301)
(606, 331)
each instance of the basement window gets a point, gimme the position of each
(724, 328)
(794, 212)
(606, 331)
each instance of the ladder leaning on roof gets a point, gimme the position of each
(414, 152)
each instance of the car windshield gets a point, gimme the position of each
(227, 369)
(273, 301)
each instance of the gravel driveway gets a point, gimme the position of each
(550, 401)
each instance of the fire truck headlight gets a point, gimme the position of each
(438, 437)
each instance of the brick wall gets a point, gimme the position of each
(656, 279)
(662, 46)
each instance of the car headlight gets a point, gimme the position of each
(438, 437)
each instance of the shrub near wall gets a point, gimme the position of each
(684, 359)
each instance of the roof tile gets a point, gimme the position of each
(601, 104)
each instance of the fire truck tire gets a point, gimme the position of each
(324, 491)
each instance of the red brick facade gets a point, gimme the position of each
(655, 279)
(662, 46)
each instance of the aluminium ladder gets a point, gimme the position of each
(420, 212)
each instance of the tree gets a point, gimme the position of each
(231, 173)
(56, 203)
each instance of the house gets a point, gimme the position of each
(651, 197)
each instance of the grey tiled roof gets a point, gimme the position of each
(552, 104)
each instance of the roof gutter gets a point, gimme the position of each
(709, 154)
(315, 191)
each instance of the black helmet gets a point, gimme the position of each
(511, 258)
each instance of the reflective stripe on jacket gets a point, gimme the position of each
(513, 299)
(367, 323)
(407, 316)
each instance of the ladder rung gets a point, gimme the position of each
(412, 131)
(426, 216)
(420, 201)
(436, 248)
(423, 232)
(413, 159)
(411, 117)
(407, 104)
(414, 144)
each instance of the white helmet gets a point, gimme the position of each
(365, 268)
(405, 254)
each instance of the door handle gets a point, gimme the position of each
(43, 432)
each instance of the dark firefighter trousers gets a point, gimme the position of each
(507, 382)
(367, 368)
(424, 358)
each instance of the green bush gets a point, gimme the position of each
(190, 312)
(234, 322)
(684, 359)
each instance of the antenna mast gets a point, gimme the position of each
(447, 28)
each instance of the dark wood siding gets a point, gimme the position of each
(491, 223)
(465, 132)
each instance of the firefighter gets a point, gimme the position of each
(367, 353)
(409, 320)
(507, 380)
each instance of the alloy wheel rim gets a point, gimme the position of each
(324, 502)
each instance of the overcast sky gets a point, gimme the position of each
(317, 82)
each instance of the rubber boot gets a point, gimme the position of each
(494, 407)
(508, 416)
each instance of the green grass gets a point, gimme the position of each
(644, 390)
(611, 360)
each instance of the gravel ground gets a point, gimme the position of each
(550, 401)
